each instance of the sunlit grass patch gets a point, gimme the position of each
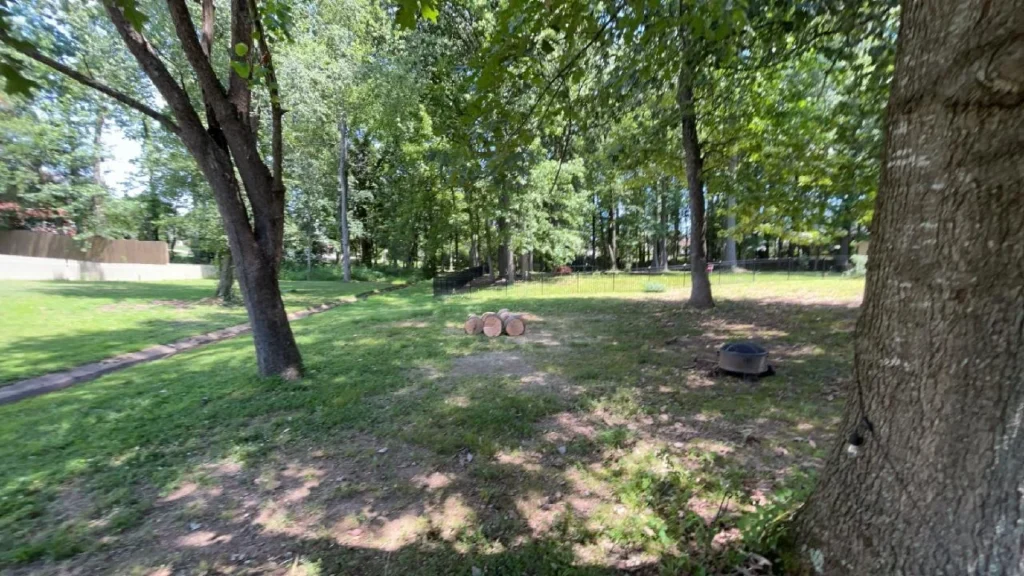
(586, 445)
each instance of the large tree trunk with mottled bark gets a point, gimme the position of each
(700, 290)
(226, 146)
(936, 409)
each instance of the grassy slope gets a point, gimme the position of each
(50, 326)
(114, 446)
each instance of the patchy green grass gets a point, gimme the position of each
(50, 326)
(598, 442)
(734, 282)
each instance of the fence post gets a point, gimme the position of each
(753, 277)
(613, 281)
(789, 267)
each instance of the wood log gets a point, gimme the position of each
(474, 325)
(493, 326)
(514, 325)
(503, 314)
(502, 311)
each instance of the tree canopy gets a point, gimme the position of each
(483, 131)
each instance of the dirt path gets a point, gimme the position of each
(86, 372)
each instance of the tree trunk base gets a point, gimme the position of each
(277, 354)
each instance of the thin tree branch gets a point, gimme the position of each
(276, 111)
(151, 64)
(568, 66)
(31, 52)
(240, 138)
(243, 13)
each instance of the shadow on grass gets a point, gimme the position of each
(191, 291)
(28, 357)
(125, 440)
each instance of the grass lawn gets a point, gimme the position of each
(735, 283)
(600, 442)
(50, 326)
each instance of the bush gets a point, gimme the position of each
(654, 287)
(296, 272)
(860, 265)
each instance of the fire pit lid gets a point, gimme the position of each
(744, 349)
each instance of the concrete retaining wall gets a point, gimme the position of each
(28, 268)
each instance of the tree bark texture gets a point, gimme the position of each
(229, 145)
(662, 230)
(346, 257)
(700, 290)
(226, 282)
(613, 248)
(843, 258)
(938, 392)
(700, 286)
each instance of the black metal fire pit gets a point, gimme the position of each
(744, 359)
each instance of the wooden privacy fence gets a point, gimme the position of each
(96, 249)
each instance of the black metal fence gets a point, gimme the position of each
(585, 280)
(454, 281)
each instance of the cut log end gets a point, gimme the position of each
(474, 325)
(514, 325)
(493, 326)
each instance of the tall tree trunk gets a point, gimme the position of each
(712, 250)
(506, 263)
(730, 241)
(474, 229)
(593, 233)
(937, 401)
(843, 259)
(226, 282)
(309, 257)
(455, 254)
(662, 229)
(700, 290)
(489, 239)
(730, 218)
(613, 248)
(510, 264)
(98, 215)
(346, 256)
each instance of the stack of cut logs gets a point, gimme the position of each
(493, 325)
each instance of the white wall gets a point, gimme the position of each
(28, 268)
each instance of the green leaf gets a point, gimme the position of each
(240, 68)
(241, 48)
(132, 13)
(429, 12)
(15, 81)
(406, 15)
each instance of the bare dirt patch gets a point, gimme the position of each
(502, 364)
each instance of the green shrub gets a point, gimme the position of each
(296, 271)
(860, 264)
(654, 287)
